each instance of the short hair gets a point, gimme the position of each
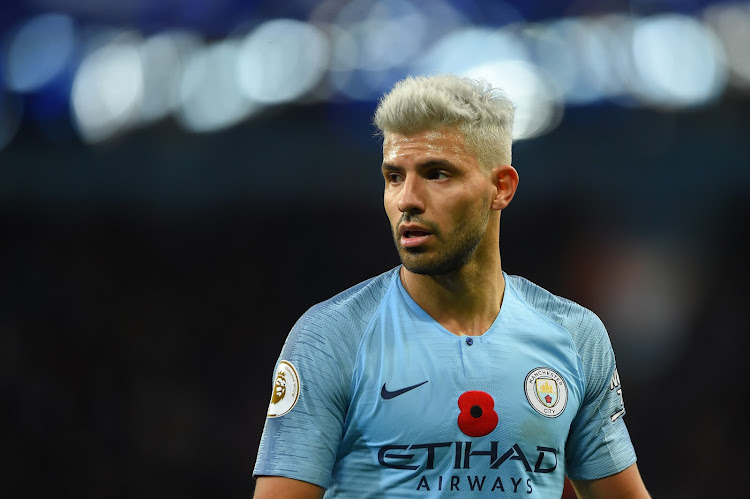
(484, 115)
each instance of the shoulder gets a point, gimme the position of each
(357, 303)
(324, 341)
(349, 311)
(587, 335)
(583, 325)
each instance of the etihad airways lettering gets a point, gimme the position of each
(475, 483)
(411, 457)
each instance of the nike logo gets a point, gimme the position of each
(389, 395)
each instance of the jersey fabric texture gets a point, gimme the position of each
(391, 404)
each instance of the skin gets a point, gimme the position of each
(626, 484)
(279, 487)
(433, 180)
(454, 273)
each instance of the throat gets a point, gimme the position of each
(463, 308)
(469, 326)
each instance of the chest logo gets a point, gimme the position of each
(546, 391)
(285, 390)
(387, 394)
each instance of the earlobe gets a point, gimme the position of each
(505, 179)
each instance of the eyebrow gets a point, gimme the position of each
(422, 166)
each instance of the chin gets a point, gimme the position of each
(423, 267)
(417, 262)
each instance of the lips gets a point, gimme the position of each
(413, 235)
(413, 230)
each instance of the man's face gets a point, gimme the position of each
(437, 199)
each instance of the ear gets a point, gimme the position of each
(505, 180)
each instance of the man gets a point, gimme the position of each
(445, 376)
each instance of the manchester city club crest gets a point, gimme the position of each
(546, 391)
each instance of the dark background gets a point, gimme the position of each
(148, 283)
(138, 338)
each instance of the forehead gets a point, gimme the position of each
(444, 142)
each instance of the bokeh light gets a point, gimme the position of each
(679, 61)
(164, 57)
(355, 51)
(537, 103)
(210, 96)
(39, 51)
(108, 89)
(731, 23)
(281, 61)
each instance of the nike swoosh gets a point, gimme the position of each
(389, 395)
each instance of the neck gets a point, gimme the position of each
(466, 301)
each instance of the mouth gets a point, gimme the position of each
(415, 233)
(412, 237)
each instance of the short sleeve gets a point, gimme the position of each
(312, 382)
(301, 435)
(598, 443)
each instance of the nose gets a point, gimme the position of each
(411, 197)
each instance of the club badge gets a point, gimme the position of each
(546, 391)
(285, 390)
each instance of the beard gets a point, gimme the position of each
(449, 253)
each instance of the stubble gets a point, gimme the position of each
(449, 252)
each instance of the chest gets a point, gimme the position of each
(424, 395)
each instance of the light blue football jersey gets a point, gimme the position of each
(374, 398)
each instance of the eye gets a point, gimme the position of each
(394, 178)
(438, 175)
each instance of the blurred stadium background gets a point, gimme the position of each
(180, 180)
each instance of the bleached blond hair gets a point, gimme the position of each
(484, 115)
